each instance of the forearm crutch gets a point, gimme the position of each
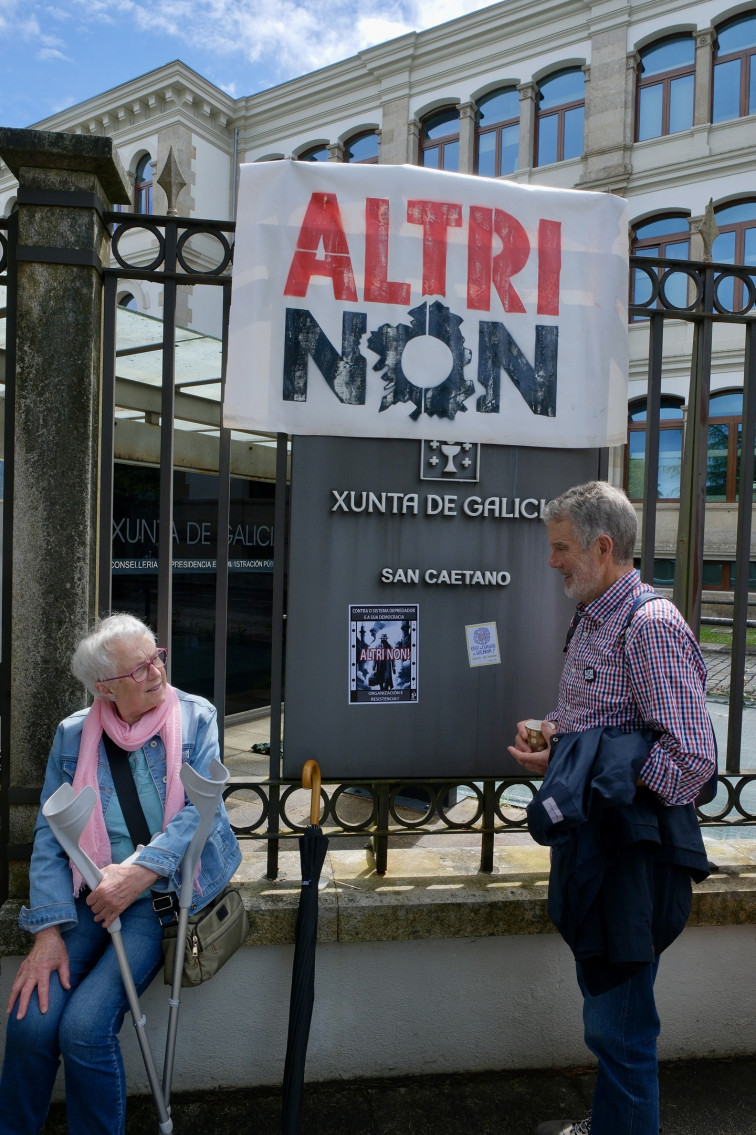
(205, 794)
(67, 813)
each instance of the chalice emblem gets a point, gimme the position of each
(450, 451)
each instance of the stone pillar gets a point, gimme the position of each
(704, 76)
(413, 142)
(467, 121)
(65, 182)
(337, 152)
(608, 112)
(528, 95)
(393, 148)
(632, 64)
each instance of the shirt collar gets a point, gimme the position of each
(609, 600)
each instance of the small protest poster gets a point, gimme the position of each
(482, 644)
(383, 654)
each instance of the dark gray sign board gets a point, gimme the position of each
(440, 548)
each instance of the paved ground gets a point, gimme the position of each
(717, 660)
(712, 1097)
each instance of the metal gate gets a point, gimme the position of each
(261, 806)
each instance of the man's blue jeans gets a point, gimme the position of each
(621, 1029)
(82, 1025)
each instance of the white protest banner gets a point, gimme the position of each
(395, 301)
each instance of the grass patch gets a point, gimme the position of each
(723, 635)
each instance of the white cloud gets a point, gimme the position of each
(29, 22)
(48, 53)
(58, 13)
(52, 41)
(291, 36)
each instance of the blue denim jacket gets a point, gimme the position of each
(50, 879)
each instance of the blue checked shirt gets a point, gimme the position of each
(654, 675)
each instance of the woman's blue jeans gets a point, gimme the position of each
(621, 1029)
(81, 1025)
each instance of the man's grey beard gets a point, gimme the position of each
(585, 584)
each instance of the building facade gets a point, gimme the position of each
(652, 100)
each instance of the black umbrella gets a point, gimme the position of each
(312, 850)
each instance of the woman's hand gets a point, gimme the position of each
(48, 955)
(536, 762)
(121, 883)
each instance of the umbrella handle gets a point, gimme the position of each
(311, 779)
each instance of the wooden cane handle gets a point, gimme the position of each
(311, 779)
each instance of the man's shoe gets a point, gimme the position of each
(565, 1127)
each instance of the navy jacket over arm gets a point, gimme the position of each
(622, 862)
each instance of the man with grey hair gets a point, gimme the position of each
(631, 663)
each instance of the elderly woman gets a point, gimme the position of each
(68, 998)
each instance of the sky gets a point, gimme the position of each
(54, 55)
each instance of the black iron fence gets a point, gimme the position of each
(173, 265)
(397, 813)
(198, 254)
(718, 295)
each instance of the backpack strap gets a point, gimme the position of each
(571, 630)
(639, 600)
(126, 791)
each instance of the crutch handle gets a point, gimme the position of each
(311, 779)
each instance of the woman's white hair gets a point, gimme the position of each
(93, 659)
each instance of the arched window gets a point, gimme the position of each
(670, 448)
(560, 117)
(734, 93)
(128, 300)
(143, 185)
(497, 133)
(736, 244)
(439, 140)
(315, 154)
(362, 148)
(666, 81)
(667, 237)
(724, 449)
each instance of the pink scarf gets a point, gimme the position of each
(164, 720)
